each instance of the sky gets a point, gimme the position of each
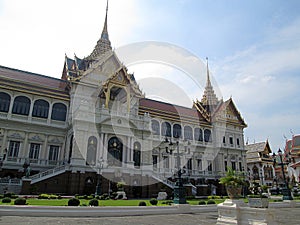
(253, 48)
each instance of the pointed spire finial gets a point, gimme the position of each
(103, 44)
(209, 98)
(104, 34)
(207, 73)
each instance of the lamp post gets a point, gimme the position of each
(179, 190)
(98, 186)
(285, 190)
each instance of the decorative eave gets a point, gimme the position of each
(129, 80)
(202, 110)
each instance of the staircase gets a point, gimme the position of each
(48, 174)
(163, 180)
(171, 184)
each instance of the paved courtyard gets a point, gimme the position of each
(174, 219)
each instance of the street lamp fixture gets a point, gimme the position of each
(179, 189)
(285, 190)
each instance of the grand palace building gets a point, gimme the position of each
(95, 127)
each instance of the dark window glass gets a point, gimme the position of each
(177, 131)
(91, 151)
(155, 127)
(13, 149)
(198, 135)
(53, 153)
(59, 112)
(188, 133)
(166, 129)
(40, 109)
(231, 140)
(4, 102)
(21, 105)
(207, 135)
(115, 151)
(34, 151)
(137, 154)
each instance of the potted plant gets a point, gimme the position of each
(233, 181)
(258, 198)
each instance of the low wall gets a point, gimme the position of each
(236, 212)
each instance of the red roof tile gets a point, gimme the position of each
(33, 78)
(171, 109)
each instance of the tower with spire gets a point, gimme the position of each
(209, 99)
(103, 44)
(74, 68)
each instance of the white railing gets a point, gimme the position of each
(164, 180)
(47, 174)
(10, 181)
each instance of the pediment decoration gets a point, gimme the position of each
(55, 140)
(227, 112)
(122, 79)
(36, 137)
(16, 135)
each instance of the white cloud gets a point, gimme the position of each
(37, 34)
(264, 81)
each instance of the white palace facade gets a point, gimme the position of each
(95, 126)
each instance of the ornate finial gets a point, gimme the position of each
(104, 34)
(103, 45)
(209, 97)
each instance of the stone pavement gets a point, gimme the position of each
(206, 218)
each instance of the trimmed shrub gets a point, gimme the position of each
(20, 201)
(94, 202)
(104, 197)
(43, 196)
(153, 201)
(6, 200)
(73, 202)
(52, 196)
(142, 204)
(8, 195)
(168, 202)
(210, 202)
(202, 202)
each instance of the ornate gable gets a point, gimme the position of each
(227, 112)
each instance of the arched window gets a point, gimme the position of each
(91, 151)
(166, 129)
(198, 134)
(137, 154)
(177, 131)
(188, 133)
(115, 151)
(4, 102)
(155, 127)
(207, 135)
(21, 105)
(59, 112)
(40, 109)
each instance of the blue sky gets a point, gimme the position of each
(253, 46)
